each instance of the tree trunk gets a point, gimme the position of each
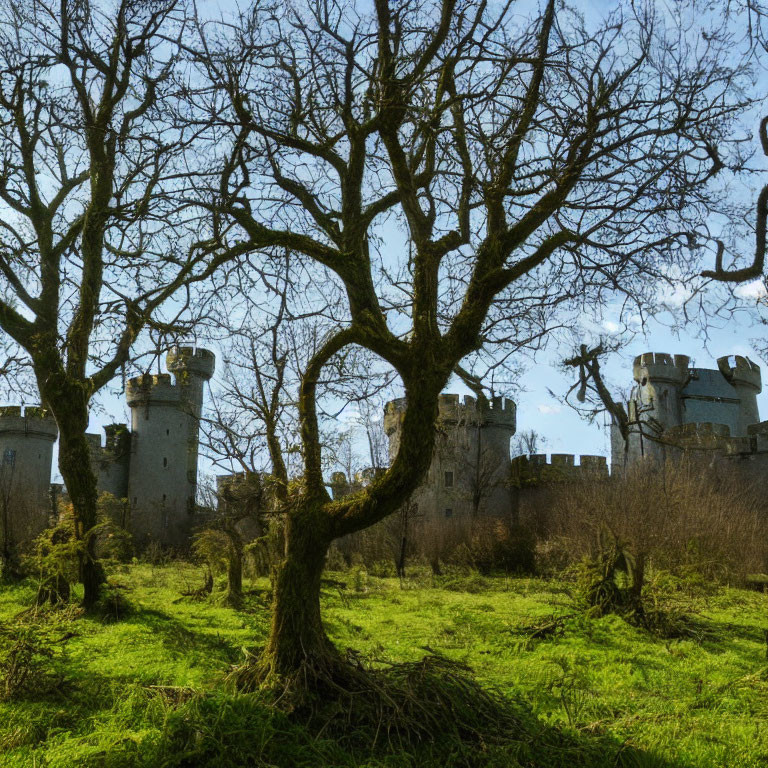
(401, 557)
(297, 638)
(75, 468)
(638, 578)
(235, 574)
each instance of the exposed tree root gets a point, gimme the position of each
(394, 705)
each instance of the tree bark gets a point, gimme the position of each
(80, 481)
(235, 571)
(297, 638)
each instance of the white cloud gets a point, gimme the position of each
(610, 326)
(674, 296)
(754, 290)
(549, 409)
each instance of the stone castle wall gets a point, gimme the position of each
(153, 464)
(469, 473)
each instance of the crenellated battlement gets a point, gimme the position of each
(535, 469)
(152, 388)
(455, 409)
(201, 362)
(116, 446)
(741, 371)
(239, 485)
(701, 435)
(30, 420)
(660, 366)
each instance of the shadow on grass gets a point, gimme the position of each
(232, 730)
(177, 637)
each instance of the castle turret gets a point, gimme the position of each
(111, 462)
(165, 421)
(26, 451)
(744, 376)
(470, 463)
(660, 379)
(499, 422)
(157, 479)
(192, 369)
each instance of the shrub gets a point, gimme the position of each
(680, 517)
(27, 649)
(55, 558)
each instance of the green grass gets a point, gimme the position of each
(146, 690)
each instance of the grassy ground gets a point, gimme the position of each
(128, 692)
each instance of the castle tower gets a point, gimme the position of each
(157, 478)
(744, 376)
(192, 369)
(111, 463)
(469, 472)
(676, 408)
(655, 406)
(26, 451)
(660, 379)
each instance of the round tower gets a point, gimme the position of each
(470, 466)
(157, 478)
(744, 376)
(192, 368)
(660, 379)
(26, 451)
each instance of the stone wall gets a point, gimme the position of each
(469, 473)
(27, 436)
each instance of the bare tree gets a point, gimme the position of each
(527, 442)
(91, 238)
(467, 179)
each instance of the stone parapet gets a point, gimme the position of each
(741, 371)
(500, 411)
(562, 467)
(660, 366)
(149, 388)
(453, 409)
(700, 435)
(33, 420)
(201, 362)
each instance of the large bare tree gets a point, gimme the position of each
(91, 235)
(465, 176)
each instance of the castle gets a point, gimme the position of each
(675, 409)
(153, 464)
(471, 473)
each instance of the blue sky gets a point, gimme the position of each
(561, 428)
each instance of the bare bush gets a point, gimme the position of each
(681, 517)
(480, 543)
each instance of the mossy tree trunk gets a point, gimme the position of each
(297, 637)
(234, 568)
(80, 480)
(68, 400)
